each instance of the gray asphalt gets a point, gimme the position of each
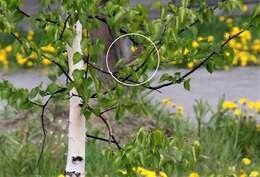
(233, 84)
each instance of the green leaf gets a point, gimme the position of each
(96, 111)
(186, 84)
(119, 112)
(45, 3)
(210, 67)
(78, 75)
(256, 11)
(68, 36)
(157, 5)
(52, 87)
(166, 77)
(182, 11)
(77, 57)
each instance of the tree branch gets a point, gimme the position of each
(64, 27)
(42, 122)
(124, 79)
(109, 127)
(201, 63)
(37, 19)
(100, 138)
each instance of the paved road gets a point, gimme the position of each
(234, 84)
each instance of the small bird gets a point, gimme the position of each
(135, 53)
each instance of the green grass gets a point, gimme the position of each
(173, 145)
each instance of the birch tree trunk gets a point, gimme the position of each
(75, 166)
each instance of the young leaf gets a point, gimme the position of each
(209, 67)
(77, 58)
(186, 84)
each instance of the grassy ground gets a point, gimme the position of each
(227, 144)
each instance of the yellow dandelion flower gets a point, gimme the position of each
(243, 63)
(29, 37)
(256, 45)
(251, 105)
(235, 61)
(238, 45)
(254, 173)
(244, 8)
(226, 35)
(237, 112)
(29, 63)
(210, 38)
(194, 174)
(180, 110)
(234, 31)
(186, 51)
(20, 59)
(190, 65)
(253, 59)
(221, 18)
(243, 101)
(245, 47)
(33, 55)
(9, 49)
(3, 57)
(162, 174)
(246, 35)
(48, 49)
(30, 32)
(246, 161)
(229, 21)
(46, 61)
(144, 172)
(229, 105)
(195, 44)
(257, 106)
(61, 176)
(124, 172)
(166, 101)
(174, 105)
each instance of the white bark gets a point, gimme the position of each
(75, 166)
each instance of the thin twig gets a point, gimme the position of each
(196, 21)
(201, 63)
(42, 122)
(43, 129)
(108, 125)
(64, 27)
(101, 139)
(107, 110)
(59, 65)
(124, 79)
(56, 63)
(17, 38)
(37, 19)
